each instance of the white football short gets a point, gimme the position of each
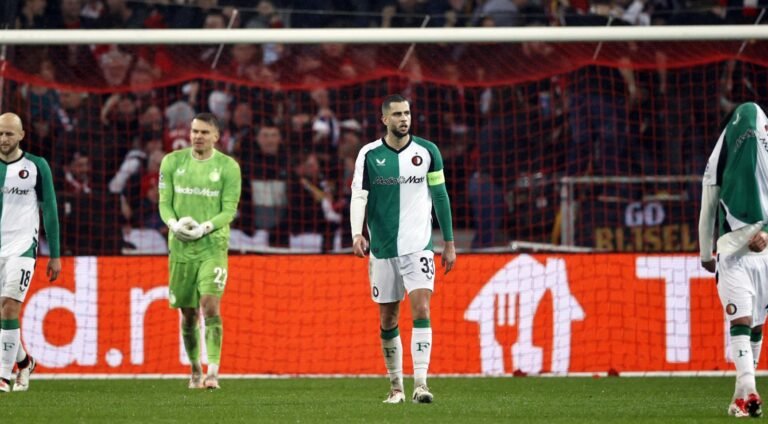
(392, 278)
(16, 276)
(742, 282)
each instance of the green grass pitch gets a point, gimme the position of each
(358, 400)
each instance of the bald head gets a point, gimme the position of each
(11, 134)
(10, 118)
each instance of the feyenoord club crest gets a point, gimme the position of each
(214, 175)
(417, 160)
(23, 174)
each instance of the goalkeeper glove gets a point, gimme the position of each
(180, 228)
(197, 231)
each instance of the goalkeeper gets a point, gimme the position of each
(199, 191)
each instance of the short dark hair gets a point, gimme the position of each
(392, 98)
(209, 119)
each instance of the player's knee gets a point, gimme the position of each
(10, 308)
(421, 311)
(388, 319)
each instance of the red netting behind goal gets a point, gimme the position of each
(512, 120)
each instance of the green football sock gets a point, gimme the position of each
(191, 336)
(213, 336)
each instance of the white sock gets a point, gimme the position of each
(421, 349)
(213, 370)
(756, 347)
(10, 341)
(21, 353)
(745, 366)
(392, 349)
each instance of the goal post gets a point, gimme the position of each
(558, 141)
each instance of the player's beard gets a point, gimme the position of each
(7, 151)
(397, 133)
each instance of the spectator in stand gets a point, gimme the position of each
(88, 214)
(177, 116)
(265, 166)
(242, 131)
(503, 12)
(403, 14)
(126, 183)
(93, 10)
(349, 145)
(205, 53)
(32, 15)
(114, 64)
(493, 169)
(76, 128)
(70, 16)
(78, 175)
(219, 103)
(600, 99)
(683, 107)
(43, 100)
(266, 16)
(450, 13)
(120, 16)
(151, 123)
(311, 219)
(120, 117)
(325, 125)
(662, 10)
(74, 63)
(148, 212)
(244, 62)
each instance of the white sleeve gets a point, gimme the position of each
(709, 199)
(357, 211)
(710, 172)
(359, 199)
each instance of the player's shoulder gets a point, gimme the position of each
(178, 154)
(373, 145)
(423, 142)
(39, 161)
(226, 159)
(748, 107)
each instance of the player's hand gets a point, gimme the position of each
(54, 269)
(360, 246)
(758, 242)
(448, 258)
(709, 265)
(190, 232)
(181, 227)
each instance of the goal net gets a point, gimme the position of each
(548, 145)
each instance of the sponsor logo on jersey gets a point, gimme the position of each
(180, 171)
(417, 160)
(23, 174)
(197, 191)
(747, 134)
(399, 180)
(15, 190)
(381, 162)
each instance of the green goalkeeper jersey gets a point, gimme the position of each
(206, 190)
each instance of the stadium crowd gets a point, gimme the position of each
(295, 116)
